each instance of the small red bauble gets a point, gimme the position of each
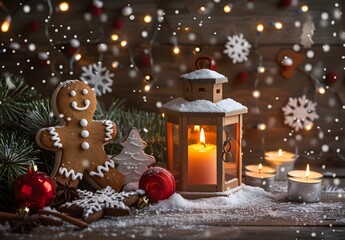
(34, 190)
(331, 77)
(242, 77)
(158, 184)
(117, 24)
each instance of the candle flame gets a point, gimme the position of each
(307, 171)
(260, 167)
(280, 152)
(202, 136)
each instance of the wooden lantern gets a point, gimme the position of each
(204, 136)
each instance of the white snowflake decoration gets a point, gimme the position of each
(237, 48)
(300, 113)
(106, 198)
(98, 77)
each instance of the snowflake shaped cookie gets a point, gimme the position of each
(300, 113)
(92, 206)
(98, 77)
(237, 48)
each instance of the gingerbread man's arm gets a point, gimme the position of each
(48, 138)
(110, 130)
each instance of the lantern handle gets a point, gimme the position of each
(203, 62)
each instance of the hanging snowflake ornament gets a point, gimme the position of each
(98, 77)
(237, 48)
(106, 201)
(300, 113)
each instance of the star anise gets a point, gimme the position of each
(64, 193)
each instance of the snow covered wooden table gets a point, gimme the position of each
(248, 213)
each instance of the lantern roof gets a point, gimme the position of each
(226, 106)
(204, 76)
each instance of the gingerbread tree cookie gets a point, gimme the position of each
(132, 160)
(79, 140)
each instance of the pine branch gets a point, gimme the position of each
(14, 96)
(38, 115)
(16, 151)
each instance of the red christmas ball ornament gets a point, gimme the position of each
(284, 3)
(34, 189)
(117, 24)
(73, 46)
(158, 184)
(331, 77)
(43, 59)
(96, 8)
(242, 77)
(32, 27)
(145, 60)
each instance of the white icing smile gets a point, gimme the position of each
(75, 105)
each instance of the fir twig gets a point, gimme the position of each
(16, 151)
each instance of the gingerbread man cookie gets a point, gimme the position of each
(79, 140)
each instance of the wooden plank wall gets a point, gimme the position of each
(274, 89)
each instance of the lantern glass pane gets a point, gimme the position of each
(173, 149)
(202, 154)
(230, 152)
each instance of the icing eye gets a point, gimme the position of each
(85, 91)
(73, 93)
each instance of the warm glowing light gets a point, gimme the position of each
(227, 8)
(114, 37)
(196, 128)
(147, 19)
(147, 78)
(176, 50)
(197, 49)
(115, 64)
(77, 57)
(123, 43)
(147, 88)
(309, 127)
(202, 136)
(280, 153)
(278, 25)
(260, 167)
(64, 6)
(321, 90)
(304, 8)
(5, 26)
(307, 171)
(260, 28)
(262, 126)
(256, 94)
(163, 115)
(202, 9)
(261, 69)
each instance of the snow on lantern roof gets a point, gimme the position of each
(227, 105)
(204, 75)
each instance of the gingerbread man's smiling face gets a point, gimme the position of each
(74, 101)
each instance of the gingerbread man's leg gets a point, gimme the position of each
(105, 174)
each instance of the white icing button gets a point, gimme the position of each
(83, 122)
(85, 91)
(73, 93)
(85, 145)
(84, 133)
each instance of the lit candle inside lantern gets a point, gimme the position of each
(304, 186)
(202, 162)
(260, 176)
(282, 161)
